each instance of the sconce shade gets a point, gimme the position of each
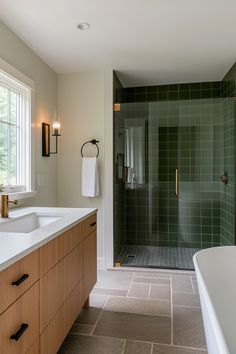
(56, 128)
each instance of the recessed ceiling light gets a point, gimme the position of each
(83, 26)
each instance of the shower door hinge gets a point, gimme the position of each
(116, 107)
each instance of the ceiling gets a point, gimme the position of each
(147, 41)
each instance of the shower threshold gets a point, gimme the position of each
(157, 257)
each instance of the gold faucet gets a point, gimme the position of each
(5, 205)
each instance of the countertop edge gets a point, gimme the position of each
(44, 241)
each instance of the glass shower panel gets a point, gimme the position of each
(136, 251)
(172, 146)
(200, 161)
(119, 185)
(162, 200)
(172, 159)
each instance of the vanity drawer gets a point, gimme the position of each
(57, 284)
(21, 322)
(57, 329)
(17, 278)
(55, 250)
(89, 225)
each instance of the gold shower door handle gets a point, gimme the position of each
(176, 181)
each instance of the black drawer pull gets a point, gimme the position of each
(20, 280)
(19, 333)
(93, 223)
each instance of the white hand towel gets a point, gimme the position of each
(90, 182)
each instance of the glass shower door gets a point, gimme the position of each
(200, 160)
(136, 251)
(163, 202)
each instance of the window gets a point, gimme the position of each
(15, 133)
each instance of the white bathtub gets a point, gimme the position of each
(216, 276)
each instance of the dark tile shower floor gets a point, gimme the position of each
(157, 257)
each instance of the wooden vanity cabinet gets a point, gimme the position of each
(19, 324)
(90, 263)
(41, 309)
(17, 278)
(58, 283)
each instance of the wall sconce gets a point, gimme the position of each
(56, 126)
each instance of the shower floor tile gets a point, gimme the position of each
(157, 257)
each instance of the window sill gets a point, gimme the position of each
(21, 195)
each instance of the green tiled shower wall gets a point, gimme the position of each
(228, 194)
(191, 218)
(189, 127)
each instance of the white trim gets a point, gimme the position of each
(26, 86)
(15, 74)
(101, 264)
(22, 195)
(33, 140)
(108, 158)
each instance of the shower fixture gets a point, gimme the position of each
(224, 177)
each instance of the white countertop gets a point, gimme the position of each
(216, 272)
(14, 246)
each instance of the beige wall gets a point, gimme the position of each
(16, 53)
(82, 102)
(85, 104)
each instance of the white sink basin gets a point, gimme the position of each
(29, 222)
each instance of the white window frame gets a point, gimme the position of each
(16, 80)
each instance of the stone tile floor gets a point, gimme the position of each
(140, 312)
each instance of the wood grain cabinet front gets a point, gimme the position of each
(89, 225)
(19, 324)
(55, 250)
(57, 284)
(34, 349)
(57, 329)
(90, 263)
(17, 278)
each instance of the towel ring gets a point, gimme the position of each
(92, 141)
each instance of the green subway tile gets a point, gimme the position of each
(206, 245)
(195, 86)
(163, 88)
(141, 89)
(162, 96)
(184, 87)
(184, 95)
(216, 85)
(173, 87)
(152, 89)
(173, 95)
(152, 96)
(207, 238)
(206, 85)
(206, 230)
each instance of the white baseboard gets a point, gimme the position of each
(101, 263)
